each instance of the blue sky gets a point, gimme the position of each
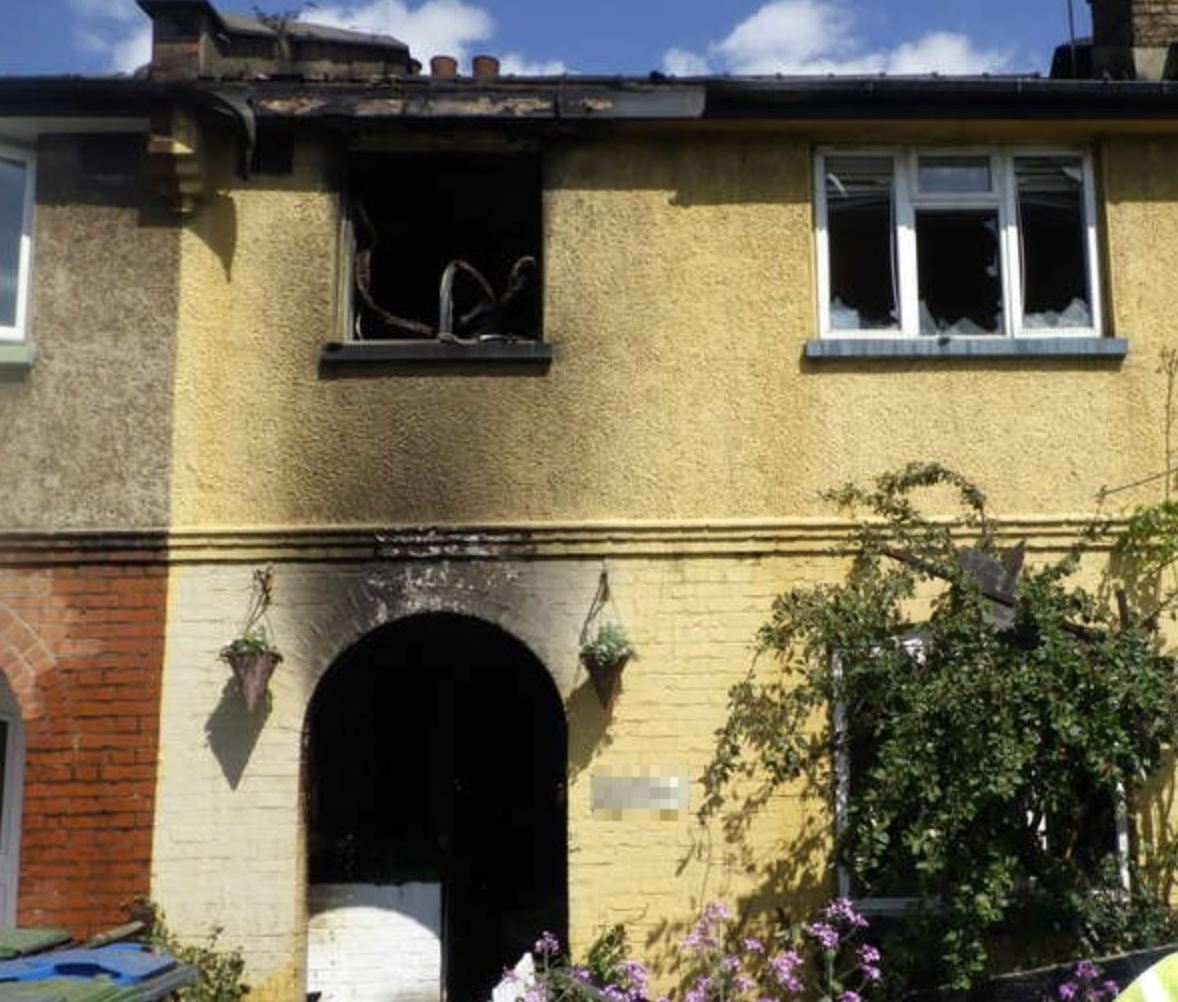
(607, 36)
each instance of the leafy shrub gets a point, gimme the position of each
(219, 972)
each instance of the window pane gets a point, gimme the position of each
(1051, 229)
(960, 272)
(954, 174)
(12, 208)
(860, 229)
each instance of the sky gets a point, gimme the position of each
(631, 37)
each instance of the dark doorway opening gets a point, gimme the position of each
(436, 751)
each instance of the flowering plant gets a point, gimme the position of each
(823, 957)
(1086, 984)
(557, 980)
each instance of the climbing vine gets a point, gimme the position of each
(990, 720)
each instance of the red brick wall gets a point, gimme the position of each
(81, 644)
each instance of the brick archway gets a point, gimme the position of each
(24, 659)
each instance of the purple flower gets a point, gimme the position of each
(826, 934)
(752, 945)
(546, 945)
(1086, 970)
(841, 909)
(1111, 988)
(1067, 991)
(783, 966)
(868, 954)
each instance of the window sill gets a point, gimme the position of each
(957, 347)
(434, 352)
(15, 355)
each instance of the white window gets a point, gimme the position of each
(961, 243)
(16, 243)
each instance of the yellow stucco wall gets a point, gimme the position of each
(678, 296)
(679, 293)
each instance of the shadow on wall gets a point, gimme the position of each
(232, 731)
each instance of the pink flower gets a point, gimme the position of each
(1067, 991)
(1086, 970)
(752, 945)
(826, 934)
(841, 909)
(546, 945)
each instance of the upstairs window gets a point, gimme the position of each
(16, 218)
(446, 246)
(966, 243)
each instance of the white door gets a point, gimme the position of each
(12, 759)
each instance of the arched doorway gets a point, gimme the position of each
(435, 764)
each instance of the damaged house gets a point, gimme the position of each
(441, 378)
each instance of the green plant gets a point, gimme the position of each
(220, 973)
(609, 648)
(253, 641)
(986, 753)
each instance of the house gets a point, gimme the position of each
(434, 375)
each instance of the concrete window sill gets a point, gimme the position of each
(435, 352)
(15, 356)
(950, 347)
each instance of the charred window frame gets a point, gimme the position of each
(445, 246)
(17, 183)
(961, 243)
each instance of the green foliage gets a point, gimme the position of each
(606, 955)
(219, 972)
(254, 641)
(611, 646)
(985, 754)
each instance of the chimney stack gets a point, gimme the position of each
(443, 67)
(1131, 39)
(484, 67)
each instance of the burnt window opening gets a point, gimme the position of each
(446, 246)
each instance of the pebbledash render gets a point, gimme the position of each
(434, 375)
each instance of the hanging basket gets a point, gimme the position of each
(606, 676)
(253, 670)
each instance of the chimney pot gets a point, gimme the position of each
(485, 67)
(443, 67)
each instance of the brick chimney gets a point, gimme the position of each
(191, 39)
(1131, 39)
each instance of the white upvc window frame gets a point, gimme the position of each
(1003, 197)
(18, 332)
(913, 645)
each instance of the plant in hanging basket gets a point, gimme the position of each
(253, 659)
(604, 657)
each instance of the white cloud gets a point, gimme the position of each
(111, 10)
(819, 37)
(684, 63)
(437, 27)
(514, 64)
(114, 30)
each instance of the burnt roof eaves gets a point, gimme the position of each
(548, 99)
(937, 97)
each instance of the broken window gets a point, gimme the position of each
(446, 245)
(957, 243)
